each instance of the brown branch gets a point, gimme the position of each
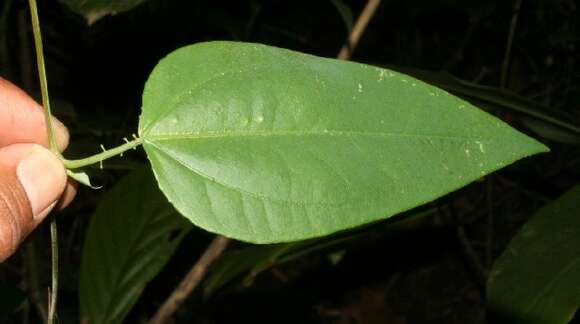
(358, 29)
(190, 281)
(508, 50)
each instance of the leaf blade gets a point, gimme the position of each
(276, 145)
(130, 238)
(548, 244)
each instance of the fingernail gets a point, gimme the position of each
(43, 178)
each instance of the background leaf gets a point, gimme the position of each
(536, 279)
(551, 131)
(93, 10)
(268, 145)
(130, 238)
(345, 13)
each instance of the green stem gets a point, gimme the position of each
(42, 76)
(53, 148)
(98, 158)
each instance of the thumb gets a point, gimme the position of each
(31, 181)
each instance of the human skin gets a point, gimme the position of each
(33, 180)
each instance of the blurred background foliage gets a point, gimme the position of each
(428, 269)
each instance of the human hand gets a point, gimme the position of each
(33, 181)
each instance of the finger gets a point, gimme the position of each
(22, 119)
(32, 179)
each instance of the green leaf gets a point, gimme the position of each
(536, 279)
(551, 131)
(269, 145)
(130, 238)
(94, 10)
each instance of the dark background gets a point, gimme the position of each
(422, 272)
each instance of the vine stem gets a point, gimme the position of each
(53, 148)
(42, 76)
(97, 158)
